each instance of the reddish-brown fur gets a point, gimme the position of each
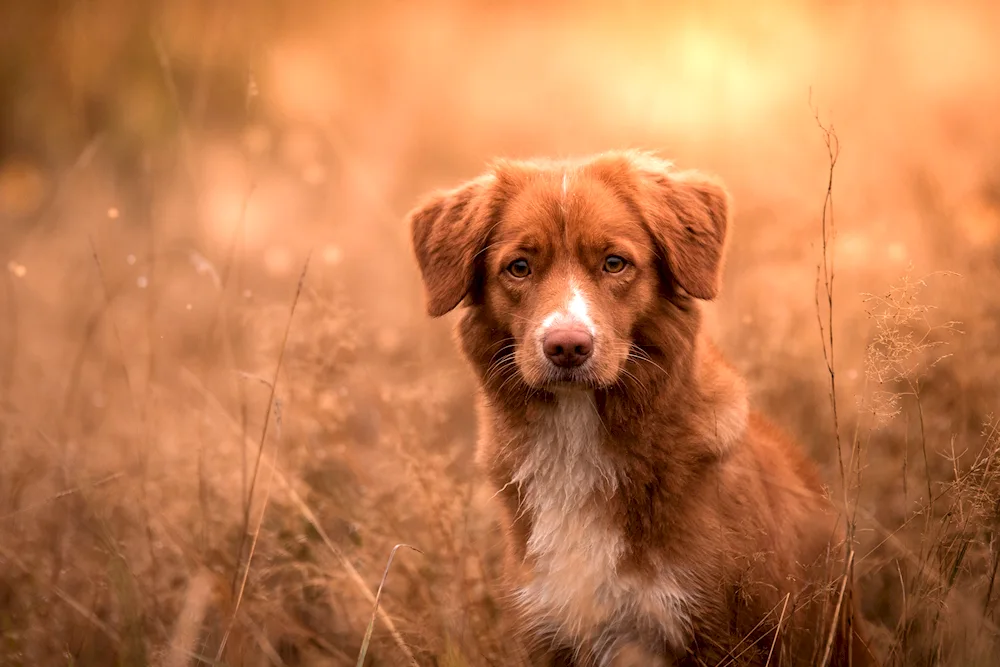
(649, 512)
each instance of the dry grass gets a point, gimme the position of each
(205, 459)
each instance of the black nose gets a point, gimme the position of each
(568, 348)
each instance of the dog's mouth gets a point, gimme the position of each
(540, 371)
(540, 374)
(570, 378)
(589, 376)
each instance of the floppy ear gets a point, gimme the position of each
(448, 229)
(688, 216)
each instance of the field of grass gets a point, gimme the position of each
(222, 404)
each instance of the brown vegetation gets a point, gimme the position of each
(166, 168)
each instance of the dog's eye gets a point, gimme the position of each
(614, 264)
(519, 268)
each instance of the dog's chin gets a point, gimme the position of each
(555, 379)
(560, 385)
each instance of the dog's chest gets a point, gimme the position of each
(573, 588)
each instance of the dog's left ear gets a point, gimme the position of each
(688, 216)
(448, 229)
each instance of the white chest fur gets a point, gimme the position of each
(574, 591)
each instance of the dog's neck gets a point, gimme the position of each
(552, 453)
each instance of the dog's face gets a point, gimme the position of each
(566, 260)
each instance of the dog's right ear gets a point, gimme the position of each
(448, 229)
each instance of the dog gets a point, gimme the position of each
(651, 517)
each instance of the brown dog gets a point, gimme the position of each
(651, 516)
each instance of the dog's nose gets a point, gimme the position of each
(568, 348)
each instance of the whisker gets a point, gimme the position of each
(495, 363)
(505, 356)
(512, 376)
(498, 369)
(502, 341)
(509, 346)
(639, 355)
(635, 378)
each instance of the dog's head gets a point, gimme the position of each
(566, 261)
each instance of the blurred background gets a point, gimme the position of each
(192, 474)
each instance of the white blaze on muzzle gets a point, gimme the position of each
(573, 314)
